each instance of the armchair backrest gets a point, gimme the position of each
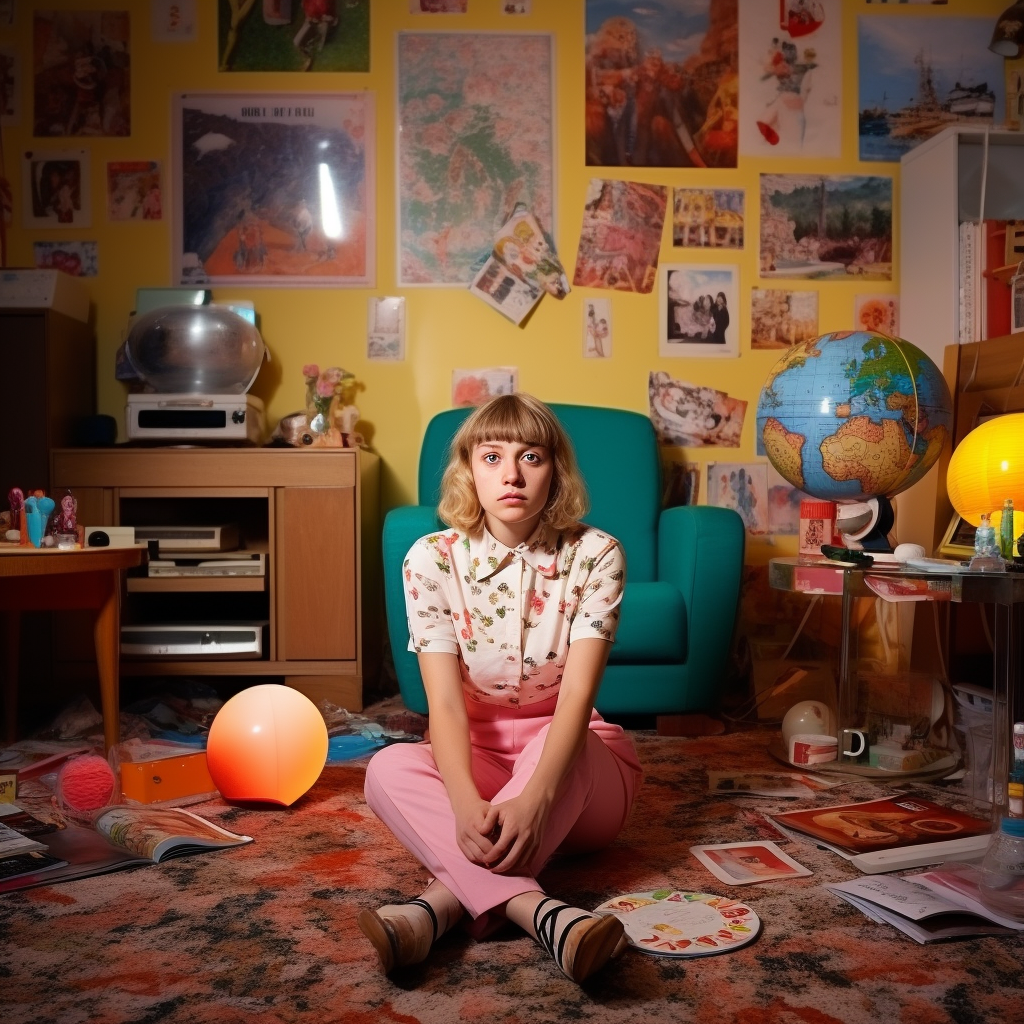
(618, 455)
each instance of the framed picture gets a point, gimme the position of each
(275, 190)
(958, 540)
(698, 310)
(475, 131)
(56, 188)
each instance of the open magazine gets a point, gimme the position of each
(885, 835)
(123, 837)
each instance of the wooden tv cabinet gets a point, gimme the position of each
(313, 514)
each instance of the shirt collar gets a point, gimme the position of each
(540, 551)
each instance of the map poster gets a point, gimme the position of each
(274, 190)
(475, 137)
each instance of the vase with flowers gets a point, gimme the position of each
(330, 416)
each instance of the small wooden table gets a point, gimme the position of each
(48, 579)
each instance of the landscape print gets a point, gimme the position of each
(919, 75)
(662, 83)
(826, 226)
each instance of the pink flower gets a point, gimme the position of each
(324, 388)
(311, 370)
(537, 603)
(333, 374)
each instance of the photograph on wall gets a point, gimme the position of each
(597, 328)
(921, 74)
(134, 190)
(877, 313)
(791, 73)
(10, 86)
(680, 481)
(81, 73)
(826, 226)
(620, 240)
(79, 259)
(474, 137)
(385, 336)
(661, 83)
(289, 35)
(693, 416)
(742, 486)
(781, 318)
(56, 188)
(783, 504)
(698, 304)
(274, 189)
(172, 21)
(708, 218)
(474, 387)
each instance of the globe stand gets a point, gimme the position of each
(865, 525)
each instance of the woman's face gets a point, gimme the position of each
(513, 481)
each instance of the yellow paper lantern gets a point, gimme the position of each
(987, 467)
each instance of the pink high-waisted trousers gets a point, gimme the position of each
(405, 790)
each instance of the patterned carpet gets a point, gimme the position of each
(267, 931)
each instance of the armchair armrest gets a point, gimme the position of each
(700, 550)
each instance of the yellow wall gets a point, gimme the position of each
(446, 328)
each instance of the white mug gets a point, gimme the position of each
(811, 748)
(855, 738)
(808, 716)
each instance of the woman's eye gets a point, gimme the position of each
(491, 458)
(531, 457)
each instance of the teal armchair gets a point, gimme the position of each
(683, 566)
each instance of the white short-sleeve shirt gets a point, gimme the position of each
(509, 614)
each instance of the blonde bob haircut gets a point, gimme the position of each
(514, 419)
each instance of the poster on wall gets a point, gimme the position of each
(826, 226)
(79, 259)
(781, 318)
(708, 217)
(474, 387)
(274, 189)
(742, 486)
(597, 328)
(475, 136)
(921, 74)
(661, 83)
(695, 310)
(56, 188)
(81, 73)
(693, 415)
(289, 35)
(133, 190)
(877, 313)
(791, 73)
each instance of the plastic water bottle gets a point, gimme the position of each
(1002, 871)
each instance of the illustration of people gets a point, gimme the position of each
(784, 113)
(321, 17)
(303, 224)
(152, 204)
(251, 253)
(597, 333)
(86, 76)
(720, 316)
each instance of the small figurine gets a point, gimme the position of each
(66, 520)
(986, 547)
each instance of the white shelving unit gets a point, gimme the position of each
(959, 174)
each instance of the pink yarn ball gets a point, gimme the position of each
(85, 783)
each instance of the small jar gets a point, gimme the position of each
(1002, 871)
(817, 525)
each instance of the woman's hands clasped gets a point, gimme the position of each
(521, 821)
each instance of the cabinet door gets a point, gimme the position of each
(316, 574)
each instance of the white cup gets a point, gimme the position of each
(812, 748)
(807, 716)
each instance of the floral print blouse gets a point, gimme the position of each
(511, 613)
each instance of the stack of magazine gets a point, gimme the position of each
(896, 833)
(34, 852)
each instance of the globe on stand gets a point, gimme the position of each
(855, 417)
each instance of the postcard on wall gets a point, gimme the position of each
(920, 74)
(708, 217)
(621, 235)
(286, 35)
(385, 336)
(597, 328)
(877, 313)
(693, 416)
(781, 318)
(742, 486)
(791, 78)
(79, 259)
(474, 387)
(134, 190)
(747, 863)
(642, 109)
(172, 21)
(783, 504)
(681, 481)
(275, 190)
(82, 73)
(56, 188)
(474, 137)
(826, 226)
(695, 310)
(10, 86)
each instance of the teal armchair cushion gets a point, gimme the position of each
(683, 566)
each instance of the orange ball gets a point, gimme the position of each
(267, 743)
